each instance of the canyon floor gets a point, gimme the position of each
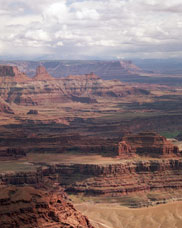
(115, 216)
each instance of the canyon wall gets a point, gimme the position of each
(27, 207)
(12, 74)
(147, 144)
(114, 179)
(12, 153)
(122, 178)
(5, 107)
(18, 88)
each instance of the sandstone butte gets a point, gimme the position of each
(106, 69)
(42, 74)
(12, 74)
(17, 88)
(27, 207)
(146, 144)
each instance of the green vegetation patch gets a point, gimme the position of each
(171, 134)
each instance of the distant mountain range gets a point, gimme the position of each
(107, 69)
(162, 66)
(166, 72)
(62, 68)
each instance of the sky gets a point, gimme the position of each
(90, 29)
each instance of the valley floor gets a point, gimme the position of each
(116, 216)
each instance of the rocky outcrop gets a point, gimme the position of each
(7, 71)
(34, 175)
(110, 179)
(5, 107)
(90, 76)
(147, 144)
(12, 153)
(81, 88)
(121, 178)
(42, 74)
(130, 67)
(12, 74)
(21, 178)
(32, 112)
(116, 69)
(86, 100)
(11, 91)
(26, 207)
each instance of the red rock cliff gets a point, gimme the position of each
(42, 74)
(121, 178)
(12, 74)
(81, 88)
(5, 108)
(26, 207)
(146, 144)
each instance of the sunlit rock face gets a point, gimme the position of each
(12, 74)
(43, 88)
(147, 144)
(42, 74)
(27, 207)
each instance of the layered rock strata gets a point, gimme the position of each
(42, 74)
(26, 207)
(122, 178)
(5, 107)
(12, 74)
(106, 69)
(32, 112)
(19, 89)
(21, 178)
(147, 144)
(115, 179)
(12, 153)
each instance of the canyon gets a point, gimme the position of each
(117, 177)
(100, 141)
(19, 89)
(80, 113)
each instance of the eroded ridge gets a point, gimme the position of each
(147, 144)
(27, 207)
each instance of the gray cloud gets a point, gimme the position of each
(89, 28)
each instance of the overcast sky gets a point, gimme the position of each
(91, 29)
